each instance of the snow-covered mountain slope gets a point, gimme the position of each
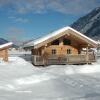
(20, 80)
(89, 24)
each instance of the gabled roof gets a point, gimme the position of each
(4, 45)
(58, 32)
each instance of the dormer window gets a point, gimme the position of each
(66, 42)
(55, 42)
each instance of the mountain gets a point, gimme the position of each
(89, 24)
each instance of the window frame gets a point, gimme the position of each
(69, 51)
(53, 51)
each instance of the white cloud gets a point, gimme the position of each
(14, 30)
(14, 34)
(11, 17)
(22, 20)
(19, 19)
(41, 6)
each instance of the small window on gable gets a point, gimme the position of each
(68, 51)
(66, 42)
(53, 51)
(55, 42)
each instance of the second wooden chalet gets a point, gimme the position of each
(4, 50)
(64, 46)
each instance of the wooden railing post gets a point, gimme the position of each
(34, 59)
(87, 55)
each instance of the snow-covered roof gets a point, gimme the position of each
(55, 33)
(6, 45)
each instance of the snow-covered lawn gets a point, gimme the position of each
(20, 80)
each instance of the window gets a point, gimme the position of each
(66, 42)
(55, 42)
(53, 51)
(68, 51)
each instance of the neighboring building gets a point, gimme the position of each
(98, 50)
(4, 51)
(64, 46)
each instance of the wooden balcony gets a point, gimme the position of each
(68, 59)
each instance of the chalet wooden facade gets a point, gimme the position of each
(4, 51)
(65, 46)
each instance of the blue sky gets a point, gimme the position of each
(29, 19)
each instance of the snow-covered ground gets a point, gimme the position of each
(20, 80)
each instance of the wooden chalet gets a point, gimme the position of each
(4, 51)
(64, 46)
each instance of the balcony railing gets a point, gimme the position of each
(68, 59)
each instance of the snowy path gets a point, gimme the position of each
(20, 80)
